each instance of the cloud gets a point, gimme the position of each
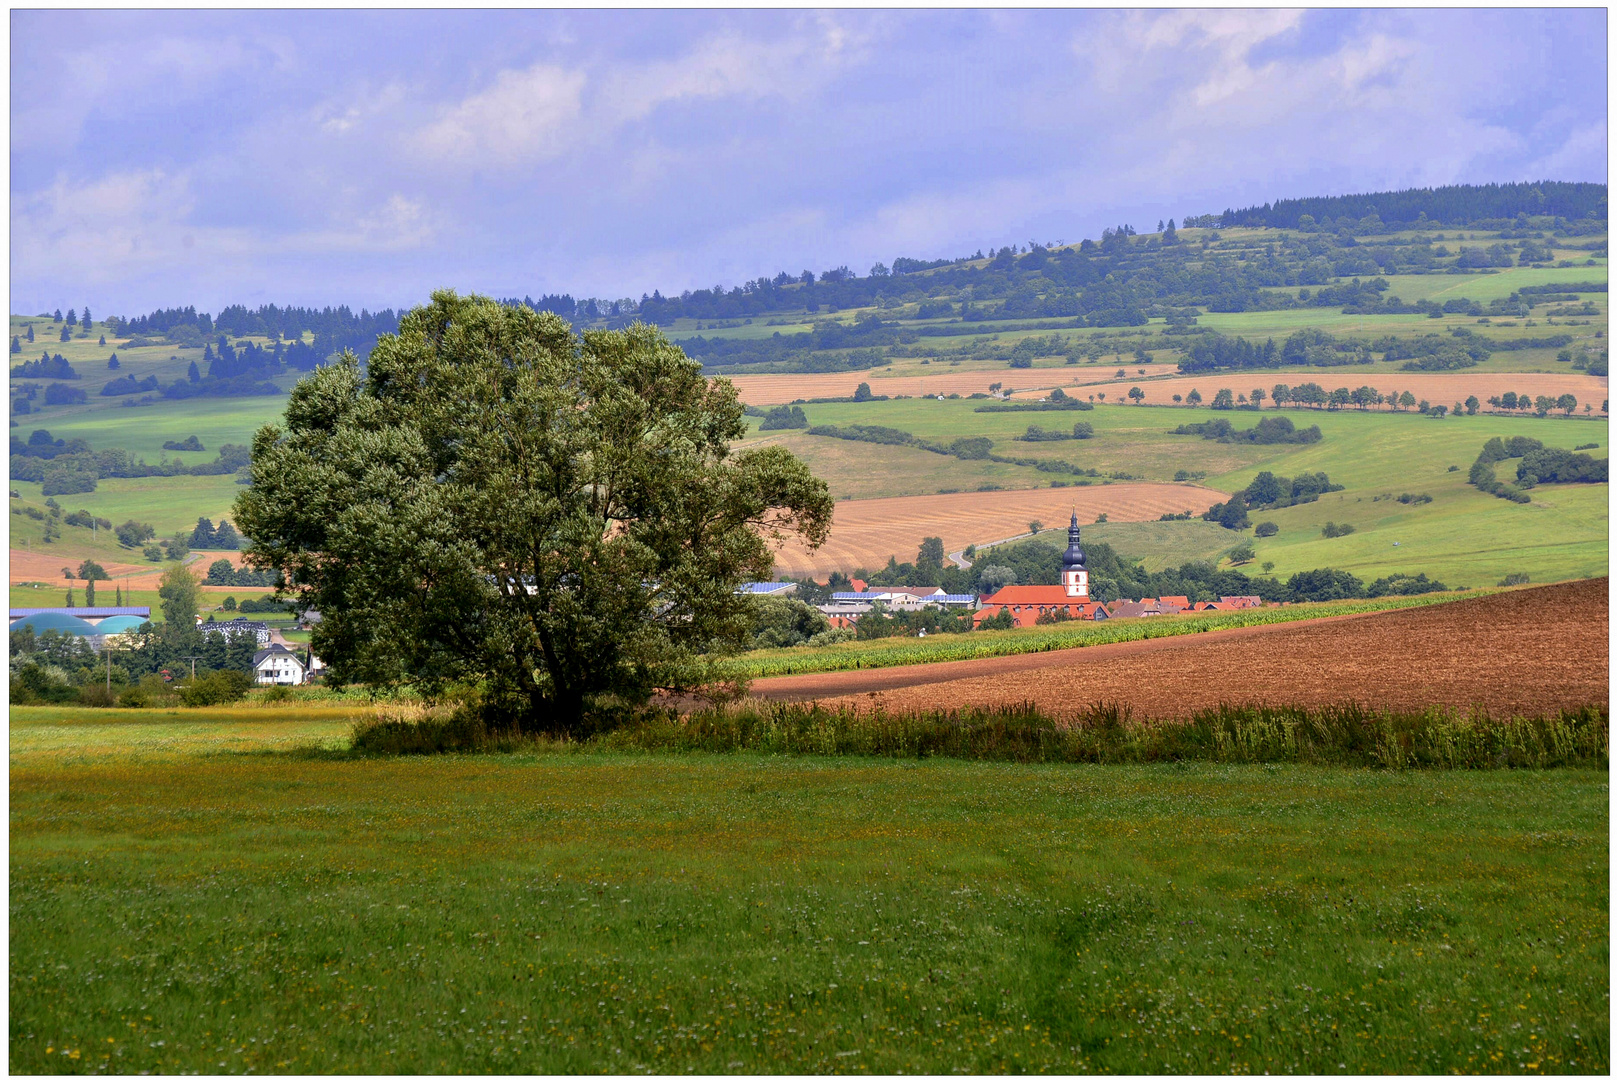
(523, 115)
(366, 157)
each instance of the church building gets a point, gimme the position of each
(1027, 602)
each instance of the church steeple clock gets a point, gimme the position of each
(1074, 577)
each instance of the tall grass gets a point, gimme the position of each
(1346, 734)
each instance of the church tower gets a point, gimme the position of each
(1074, 577)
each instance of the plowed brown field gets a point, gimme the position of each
(1527, 652)
(1444, 388)
(866, 532)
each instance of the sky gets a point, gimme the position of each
(171, 158)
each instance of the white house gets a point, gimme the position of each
(277, 666)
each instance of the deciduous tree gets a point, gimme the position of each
(496, 500)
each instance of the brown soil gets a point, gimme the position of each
(1529, 651)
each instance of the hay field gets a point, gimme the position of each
(1440, 388)
(866, 531)
(1499, 652)
(766, 390)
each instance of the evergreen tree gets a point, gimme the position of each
(112, 361)
(16, 346)
(85, 320)
(118, 595)
(193, 373)
(89, 594)
(30, 332)
(203, 535)
(67, 331)
(72, 317)
(103, 339)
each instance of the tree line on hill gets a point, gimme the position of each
(1121, 280)
(1479, 205)
(333, 328)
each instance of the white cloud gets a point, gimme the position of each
(522, 116)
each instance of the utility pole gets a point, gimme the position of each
(193, 660)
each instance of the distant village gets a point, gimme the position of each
(1026, 605)
(276, 663)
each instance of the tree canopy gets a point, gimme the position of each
(556, 519)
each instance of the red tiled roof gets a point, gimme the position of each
(1032, 594)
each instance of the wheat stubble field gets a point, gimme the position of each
(866, 532)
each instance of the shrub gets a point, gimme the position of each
(216, 688)
(1332, 529)
(1515, 579)
(1243, 553)
(784, 417)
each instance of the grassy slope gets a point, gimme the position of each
(556, 914)
(169, 503)
(1463, 536)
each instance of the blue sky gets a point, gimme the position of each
(214, 157)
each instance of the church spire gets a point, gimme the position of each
(1074, 575)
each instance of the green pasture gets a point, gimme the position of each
(143, 431)
(1462, 536)
(1153, 544)
(169, 503)
(210, 891)
(52, 593)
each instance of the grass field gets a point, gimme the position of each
(143, 431)
(190, 893)
(168, 503)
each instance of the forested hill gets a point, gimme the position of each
(334, 328)
(1482, 205)
(1327, 252)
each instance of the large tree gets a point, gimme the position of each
(497, 501)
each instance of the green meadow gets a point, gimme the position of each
(224, 891)
(168, 503)
(1462, 536)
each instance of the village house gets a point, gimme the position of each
(277, 666)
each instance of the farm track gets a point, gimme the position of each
(866, 532)
(1529, 651)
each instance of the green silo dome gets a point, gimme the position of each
(117, 624)
(55, 620)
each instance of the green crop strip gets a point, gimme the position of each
(979, 645)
